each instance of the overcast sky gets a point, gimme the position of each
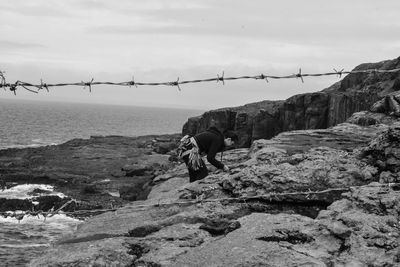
(156, 41)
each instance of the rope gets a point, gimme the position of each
(270, 197)
(30, 87)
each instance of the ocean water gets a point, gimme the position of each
(21, 241)
(32, 124)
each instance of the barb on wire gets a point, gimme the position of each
(13, 86)
(339, 73)
(43, 85)
(298, 75)
(176, 83)
(88, 84)
(221, 78)
(262, 77)
(130, 83)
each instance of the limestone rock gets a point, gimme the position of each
(104, 252)
(367, 118)
(294, 161)
(367, 221)
(384, 152)
(390, 104)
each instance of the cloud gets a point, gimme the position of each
(306, 24)
(142, 28)
(11, 45)
(37, 8)
(89, 5)
(159, 40)
(129, 7)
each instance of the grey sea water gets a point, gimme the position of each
(21, 241)
(31, 124)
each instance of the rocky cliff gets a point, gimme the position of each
(355, 92)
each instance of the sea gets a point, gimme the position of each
(26, 123)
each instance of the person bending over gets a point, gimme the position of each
(209, 143)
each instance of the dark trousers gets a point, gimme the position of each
(195, 175)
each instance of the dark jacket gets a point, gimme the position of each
(211, 142)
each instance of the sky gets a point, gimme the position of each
(159, 41)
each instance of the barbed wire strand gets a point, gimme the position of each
(28, 86)
(142, 207)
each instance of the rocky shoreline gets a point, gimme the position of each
(273, 208)
(323, 191)
(99, 173)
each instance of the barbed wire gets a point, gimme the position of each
(309, 195)
(35, 88)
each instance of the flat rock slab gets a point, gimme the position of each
(250, 246)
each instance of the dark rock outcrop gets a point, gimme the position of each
(239, 118)
(263, 120)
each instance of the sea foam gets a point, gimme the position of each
(27, 191)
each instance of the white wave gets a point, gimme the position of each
(114, 193)
(22, 191)
(41, 142)
(32, 145)
(21, 146)
(57, 221)
(24, 245)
